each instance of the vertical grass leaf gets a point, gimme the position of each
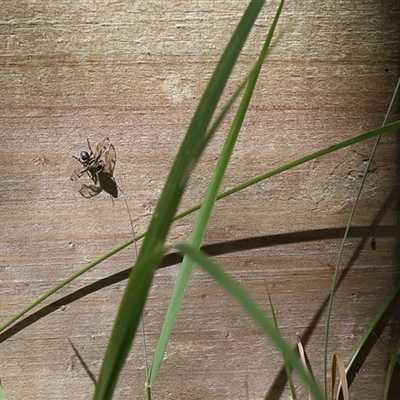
(207, 207)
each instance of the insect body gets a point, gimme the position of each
(99, 165)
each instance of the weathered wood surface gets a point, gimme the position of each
(134, 71)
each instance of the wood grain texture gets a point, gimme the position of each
(135, 71)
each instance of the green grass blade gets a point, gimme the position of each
(341, 145)
(61, 285)
(152, 249)
(394, 359)
(207, 207)
(2, 395)
(254, 311)
(181, 282)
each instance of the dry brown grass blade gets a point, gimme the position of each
(343, 384)
(303, 358)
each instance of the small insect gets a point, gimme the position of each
(99, 165)
(373, 244)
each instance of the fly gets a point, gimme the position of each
(99, 165)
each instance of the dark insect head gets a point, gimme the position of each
(84, 157)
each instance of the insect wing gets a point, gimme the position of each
(89, 191)
(110, 158)
(102, 147)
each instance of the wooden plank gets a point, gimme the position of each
(134, 71)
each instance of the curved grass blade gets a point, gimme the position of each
(254, 311)
(372, 327)
(63, 284)
(207, 207)
(343, 242)
(341, 145)
(380, 131)
(394, 360)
